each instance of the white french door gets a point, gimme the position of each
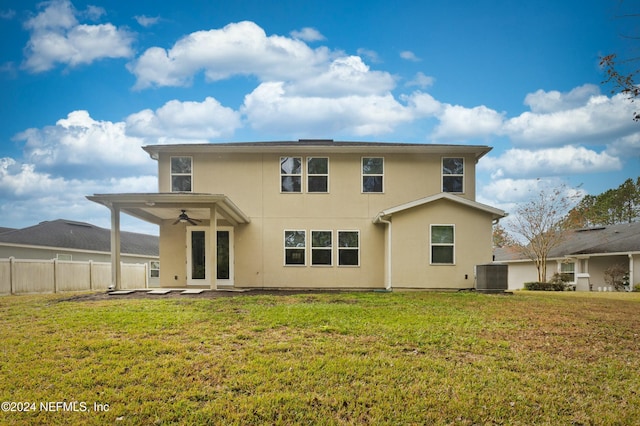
(199, 259)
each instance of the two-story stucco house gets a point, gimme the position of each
(314, 214)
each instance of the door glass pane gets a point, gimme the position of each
(198, 255)
(223, 255)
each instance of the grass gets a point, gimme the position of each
(343, 358)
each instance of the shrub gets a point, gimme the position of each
(551, 286)
(636, 287)
(617, 277)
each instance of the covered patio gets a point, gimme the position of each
(213, 210)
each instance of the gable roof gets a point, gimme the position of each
(318, 146)
(621, 238)
(3, 229)
(83, 236)
(384, 214)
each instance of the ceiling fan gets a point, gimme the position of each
(184, 218)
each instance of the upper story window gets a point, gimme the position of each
(453, 174)
(317, 174)
(372, 174)
(290, 174)
(442, 244)
(181, 174)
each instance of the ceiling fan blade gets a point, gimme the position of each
(192, 221)
(176, 222)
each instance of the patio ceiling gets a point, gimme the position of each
(156, 207)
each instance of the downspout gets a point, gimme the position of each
(387, 280)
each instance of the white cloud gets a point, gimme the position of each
(147, 21)
(7, 14)
(272, 109)
(179, 121)
(85, 144)
(371, 55)
(460, 123)
(421, 80)
(565, 160)
(30, 196)
(57, 37)
(597, 119)
(345, 76)
(307, 34)
(409, 56)
(548, 102)
(237, 49)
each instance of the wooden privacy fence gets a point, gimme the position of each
(23, 276)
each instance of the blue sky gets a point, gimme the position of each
(85, 83)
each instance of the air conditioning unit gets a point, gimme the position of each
(492, 278)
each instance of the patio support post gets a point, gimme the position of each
(213, 243)
(116, 267)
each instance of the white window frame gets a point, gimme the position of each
(432, 244)
(151, 268)
(461, 175)
(338, 248)
(281, 174)
(362, 175)
(285, 248)
(171, 174)
(573, 272)
(316, 175)
(329, 249)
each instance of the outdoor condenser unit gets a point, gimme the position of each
(492, 278)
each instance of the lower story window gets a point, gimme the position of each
(321, 248)
(568, 270)
(348, 248)
(154, 269)
(442, 244)
(295, 244)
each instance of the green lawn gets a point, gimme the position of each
(342, 358)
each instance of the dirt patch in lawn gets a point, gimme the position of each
(180, 294)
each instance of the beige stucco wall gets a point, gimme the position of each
(411, 247)
(252, 182)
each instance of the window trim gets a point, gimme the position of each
(151, 268)
(462, 175)
(573, 273)
(330, 249)
(338, 248)
(362, 175)
(301, 175)
(432, 244)
(308, 175)
(285, 248)
(171, 174)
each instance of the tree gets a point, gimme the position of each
(619, 205)
(501, 237)
(622, 72)
(539, 224)
(623, 82)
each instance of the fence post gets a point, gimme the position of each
(90, 274)
(55, 275)
(12, 273)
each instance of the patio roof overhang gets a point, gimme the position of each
(156, 207)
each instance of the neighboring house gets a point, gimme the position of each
(584, 256)
(314, 214)
(78, 241)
